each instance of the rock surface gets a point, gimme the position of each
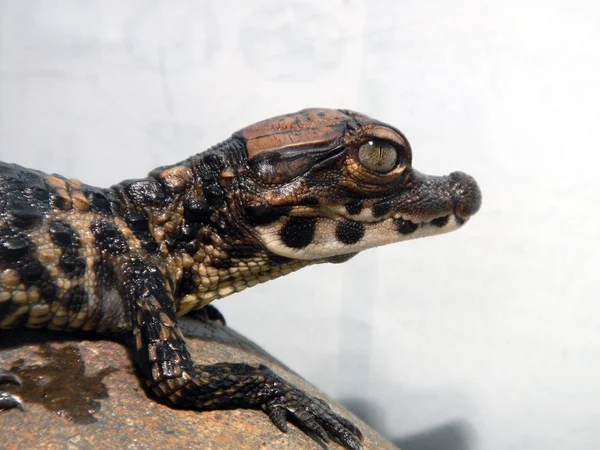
(84, 394)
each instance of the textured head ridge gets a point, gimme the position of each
(325, 183)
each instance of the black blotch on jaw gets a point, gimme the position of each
(405, 226)
(349, 232)
(440, 221)
(354, 208)
(298, 232)
(381, 209)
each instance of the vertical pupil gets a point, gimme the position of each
(378, 156)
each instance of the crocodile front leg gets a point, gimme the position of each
(171, 374)
(9, 401)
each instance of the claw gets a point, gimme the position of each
(311, 424)
(9, 401)
(353, 428)
(339, 431)
(314, 416)
(278, 416)
(9, 377)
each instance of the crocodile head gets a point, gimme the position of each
(325, 184)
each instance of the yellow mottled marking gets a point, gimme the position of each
(20, 297)
(10, 278)
(79, 201)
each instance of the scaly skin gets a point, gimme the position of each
(315, 186)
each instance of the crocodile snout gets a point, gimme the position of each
(466, 195)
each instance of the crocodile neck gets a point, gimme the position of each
(190, 218)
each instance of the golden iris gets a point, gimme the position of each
(378, 156)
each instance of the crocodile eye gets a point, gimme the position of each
(378, 156)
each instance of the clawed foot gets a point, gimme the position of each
(311, 414)
(9, 401)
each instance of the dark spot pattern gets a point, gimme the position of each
(109, 238)
(25, 216)
(72, 264)
(349, 232)
(243, 251)
(196, 210)
(183, 234)
(298, 232)
(440, 221)
(186, 285)
(191, 247)
(308, 201)
(60, 202)
(98, 201)
(214, 194)
(264, 215)
(187, 231)
(139, 226)
(18, 252)
(145, 192)
(405, 226)
(7, 308)
(354, 208)
(136, 221)
(219, 263)
(75, 299)
(210, 166)
(381, 209)
(32, 272)
(278, 259)
(63, 235)
(15, 248)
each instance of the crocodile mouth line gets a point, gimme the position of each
(316, 236)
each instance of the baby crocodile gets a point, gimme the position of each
(314, 186)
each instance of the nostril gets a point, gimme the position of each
(466, 195)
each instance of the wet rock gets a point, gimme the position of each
(81, 392)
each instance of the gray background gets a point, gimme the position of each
(488, 338)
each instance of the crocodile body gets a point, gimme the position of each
(310, 187)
